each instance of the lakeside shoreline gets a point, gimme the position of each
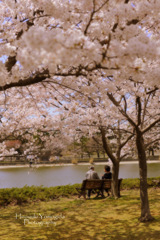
(71, 164)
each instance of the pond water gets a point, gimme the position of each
(63, 175)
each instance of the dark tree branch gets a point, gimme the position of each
(145, 109)
(153, 90)
(125, 104)
(11, 61)
(139, 110)
(106, 146)
(124, 155)
(90, 19)
(41, 76)
(125, 142)
(155, 140)
(150, 126)
(95, 139)
(97, 10)
(92, 15)
(132, 22)
(33, 79)
(117, 104)
(19, 34)
(114, 27)
(69, 87)
(29, 22)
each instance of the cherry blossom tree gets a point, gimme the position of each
(58, 50)
(107, 128)
(143, 114)
(105, 37)
(31, 121)
(138, 105)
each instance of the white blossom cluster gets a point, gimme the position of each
(69, 59)
(44, 34)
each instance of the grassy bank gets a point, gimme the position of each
(75, 219)
(32, 194)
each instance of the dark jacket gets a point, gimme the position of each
(107, 175)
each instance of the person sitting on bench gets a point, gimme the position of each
(107, 175)
(91, 174)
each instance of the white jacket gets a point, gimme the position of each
(91, 174)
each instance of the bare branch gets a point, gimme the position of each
(153, 90)
(90, 19)
(125, 142)
(146, 101)
(117, 104)
(92, 14)
(150, 126)
(34, 100)
(95, 139)
(68, 87)
(97, 10)
(148, 144)
(124, 155)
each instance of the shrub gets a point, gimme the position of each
(130, 183)
(34, 193)
(30, 194)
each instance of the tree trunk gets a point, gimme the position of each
(115, 162)
(115, 174)
(145, 210)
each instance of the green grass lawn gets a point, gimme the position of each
(77, 219)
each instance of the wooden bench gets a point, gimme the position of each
(98, 185)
